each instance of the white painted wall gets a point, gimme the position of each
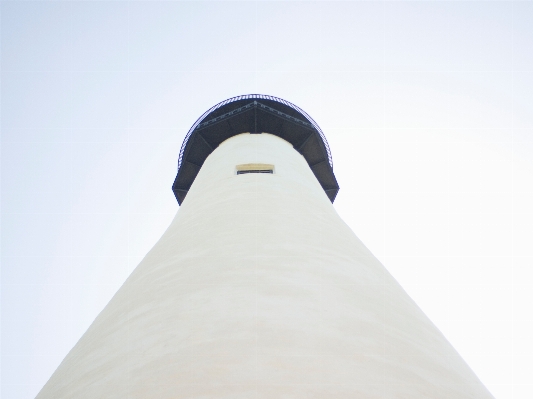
(259, 289)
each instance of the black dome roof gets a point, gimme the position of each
(254, 113)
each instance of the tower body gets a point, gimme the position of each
(258, 289)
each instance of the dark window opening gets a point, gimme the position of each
(242, 172)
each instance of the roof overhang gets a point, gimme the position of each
(254, 113)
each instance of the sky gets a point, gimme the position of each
(427, 107)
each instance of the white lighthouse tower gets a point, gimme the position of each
(258, 289)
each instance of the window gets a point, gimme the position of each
(255, 168)
(242, 172)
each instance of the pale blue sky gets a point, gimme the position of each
(427, 106)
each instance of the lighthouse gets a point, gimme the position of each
(258, 289)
